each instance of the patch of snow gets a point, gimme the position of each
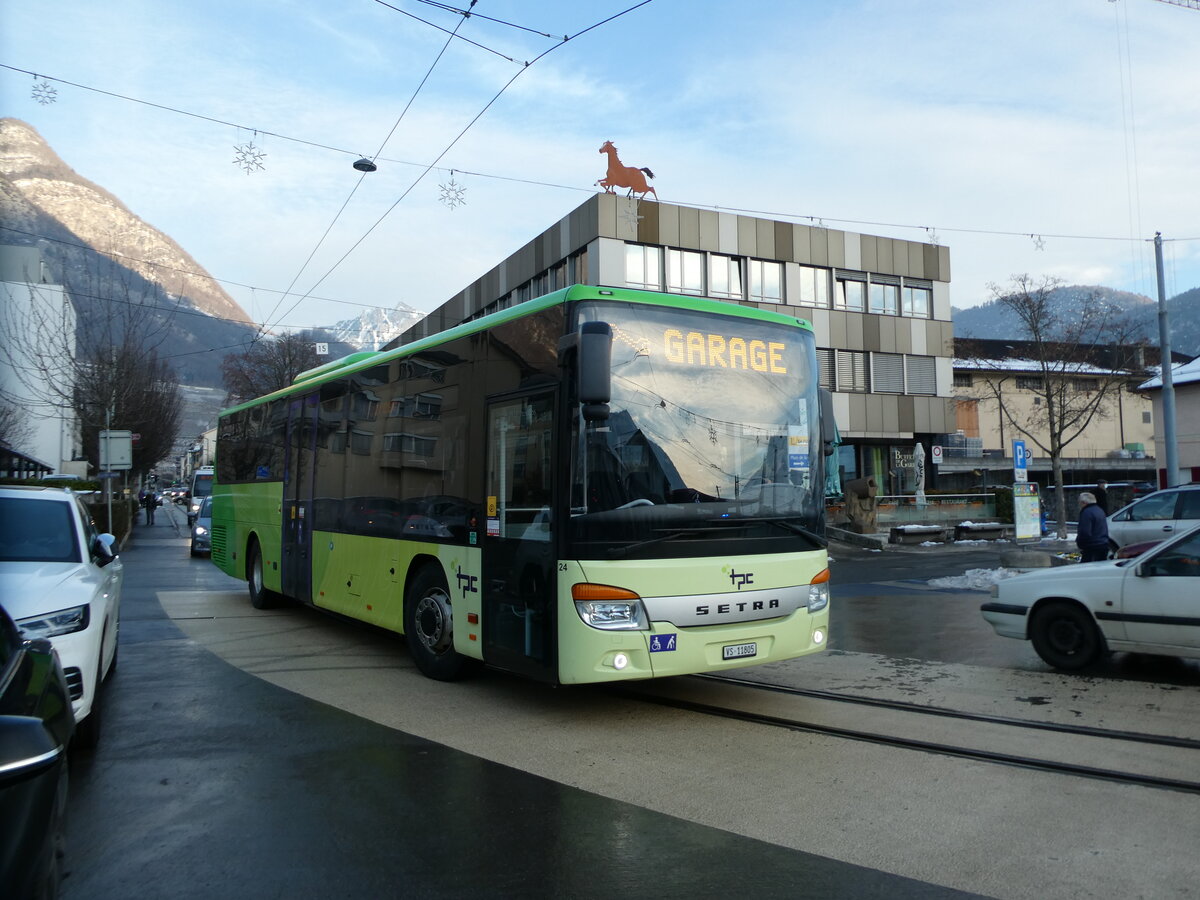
(974, 579)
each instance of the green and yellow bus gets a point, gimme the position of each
(596, 485)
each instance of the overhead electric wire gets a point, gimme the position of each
(358, 183)
(450, 146)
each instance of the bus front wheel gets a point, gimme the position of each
(429, 627)
(260, 597)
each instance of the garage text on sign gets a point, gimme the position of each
(697, 348)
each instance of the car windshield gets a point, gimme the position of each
(35, 530)
(206, 509)
(712, 435)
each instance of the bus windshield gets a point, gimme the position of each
(712, 436)
(202, 484)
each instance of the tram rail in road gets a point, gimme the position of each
(1123, 757)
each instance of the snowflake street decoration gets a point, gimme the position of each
(629, 214)
(44, 92)
(933, 236)
(1039, 242)
(249, 157)
(452, 192)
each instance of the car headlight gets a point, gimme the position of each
(610, 608)
(199, 531)
(65, 621)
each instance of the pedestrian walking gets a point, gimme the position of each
(1091, 536)
(1101, 493)
(149, 502)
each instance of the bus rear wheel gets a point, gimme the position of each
(429, 627)
(260, 597)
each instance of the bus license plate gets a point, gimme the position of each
(739, 651)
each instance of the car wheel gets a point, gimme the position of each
(429, 627)
(87, 732)
(260, 597)
(1065, 636)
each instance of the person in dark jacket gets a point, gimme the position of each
(1091, 537)
(1101, 493)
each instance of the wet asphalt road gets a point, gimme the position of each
(210, 782)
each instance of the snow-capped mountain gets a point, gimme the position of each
(375, 327)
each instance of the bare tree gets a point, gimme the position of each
(1083, 354)
(106, 370)
(15, 428)
(268, 365)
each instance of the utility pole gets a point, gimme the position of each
(1168, 383)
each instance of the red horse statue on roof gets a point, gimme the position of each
(624, 176)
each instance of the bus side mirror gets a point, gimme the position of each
(829, 433)
(593, 367)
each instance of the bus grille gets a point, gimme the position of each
(218, 543)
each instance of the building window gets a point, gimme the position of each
(1146, 420)
(1087, 384)
(685, 272)
(825, 365)
(766, 281)
(724, 276)
(814, 286)
(360, 442)
(887, 373)
(643, 267)
(920, 375)
(851, 292)
(963, 379)
(421, 406)
(412, 444)
(1030, 383)
(885, 295)
(852, 371)
(917, 300)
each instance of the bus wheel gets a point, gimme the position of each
(260, 597)
(429, 627)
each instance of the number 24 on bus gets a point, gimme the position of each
(595, 485)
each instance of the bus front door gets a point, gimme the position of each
(298, 471)
(519, 617)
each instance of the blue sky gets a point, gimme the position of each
(1052, 138)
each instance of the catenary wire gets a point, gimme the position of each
(357, 184)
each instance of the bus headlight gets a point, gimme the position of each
(609, 608)
(818, 592)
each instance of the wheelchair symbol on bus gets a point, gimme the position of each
(662, 642)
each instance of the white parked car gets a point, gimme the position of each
(1074, 614)
(61, 579)
(1156, 516)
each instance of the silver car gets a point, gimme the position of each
(1155, 517)
(202, 529)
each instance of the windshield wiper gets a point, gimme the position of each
(786, 525)
(615, 552)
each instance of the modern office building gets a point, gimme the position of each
(880, 306)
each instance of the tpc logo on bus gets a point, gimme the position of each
(739, 579)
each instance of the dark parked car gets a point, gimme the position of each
(36, 726)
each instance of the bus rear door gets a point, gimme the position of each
(519, 582)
